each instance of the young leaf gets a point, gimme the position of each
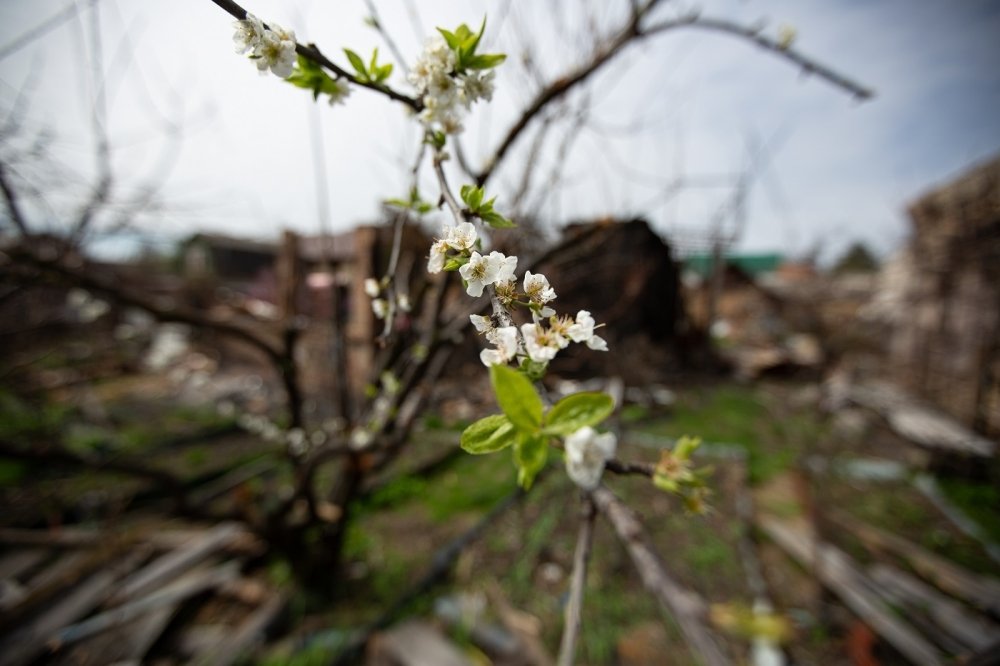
(496, 220)
(357, 63)
(454, 263)
(489, 434)
(450, 38)
(517, 398)
(577, 411)
(484, 60)
(530, 455)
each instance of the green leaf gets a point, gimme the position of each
(436, 139)
(530, 455)
(484, 60)
(450, 38)
(357, 63)
(496, 220)
(489, 434)
(517, 398)
(373, 65)
(454, 263)
(473, 197)
(578, 411)
(383, 72)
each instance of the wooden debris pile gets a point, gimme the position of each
(81, 596)
(929, 609)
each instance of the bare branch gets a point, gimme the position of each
(807, 64)
(584, 540)
(10, 199)
(633, 32)
(43, 28)
(686, 607)
(389, 41)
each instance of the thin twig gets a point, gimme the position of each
(574, 607)
(687, 608)
(633, 32)
(389, 41)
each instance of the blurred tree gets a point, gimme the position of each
(857, 259)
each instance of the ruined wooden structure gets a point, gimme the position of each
(945, 333)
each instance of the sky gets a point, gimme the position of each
(671, 125)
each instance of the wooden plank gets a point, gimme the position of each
(839, 574)
(247, 636)
(127, 644)
(919, 423)
(168, 566)
(30, 642)
(415, 643)
(187, 586)
(974, 632)
(983, 592)
(63, 574)
(15, 564)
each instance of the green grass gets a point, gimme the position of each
(772, 436)
(978, 500)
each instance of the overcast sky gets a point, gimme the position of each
(829, 170)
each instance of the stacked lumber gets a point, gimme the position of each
(80, 596)
(937, 614)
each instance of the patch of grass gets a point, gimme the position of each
(978, 500)
(740, 415)
(20, 420)
(11, 473)
(473, 483)
(608, 611)
(633, 413)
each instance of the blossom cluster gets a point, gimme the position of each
(382, 306)
(539, 340)
(272, 47)
(444, 90)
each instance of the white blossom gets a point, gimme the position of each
(436, 59)
(248, 34)
(583, 331)
(541, 344)
(586, 453)
(380, 307)
(483, 324)
(341, 91)
(477, 86)
(403, 303)
(537, 289)
(435, 262)
(372, 287)
(505, 338)
(507, 266)
(461, 237)
(481, 271)
(276, 51)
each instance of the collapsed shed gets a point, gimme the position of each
(626, 276)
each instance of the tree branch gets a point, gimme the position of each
(633, 32)
(753, 34)
(584, 540)
(13, 205)
(312, 52)
(686, 607)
